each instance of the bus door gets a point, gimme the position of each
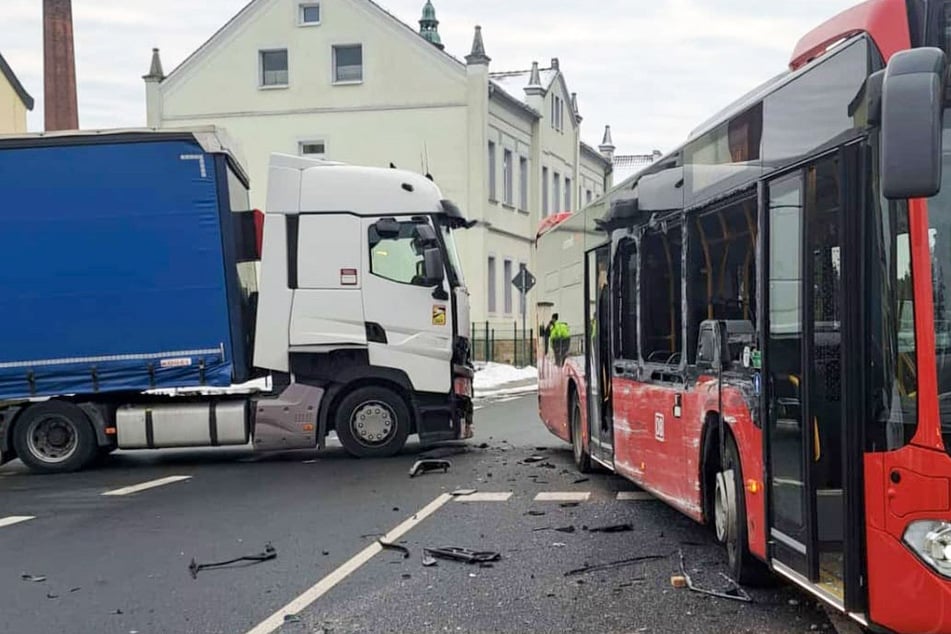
(599, 357)
(803, 376)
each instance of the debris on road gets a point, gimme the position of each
(559, 544)
(426, 465)
(569, 505)
(611, 565)
(397, 547)
(455, 553)
(580, 480)
(429, 561)
(50, 595)
(459, 492)
(532, 459)
(678, 581)
(535, 513)
(291, 618)
(33, 578)
(734, 592)
(565, 529)
(269, 553)
(613, 528)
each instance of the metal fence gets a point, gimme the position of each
(503, 344)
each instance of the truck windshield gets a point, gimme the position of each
(939, 243)
(452, 254)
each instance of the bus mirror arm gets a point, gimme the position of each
(911, 120)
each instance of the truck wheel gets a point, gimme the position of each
(581, 455)
(54, 437)
(730, 521)
(372, 422)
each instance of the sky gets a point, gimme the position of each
(652, 69)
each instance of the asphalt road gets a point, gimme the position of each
(119, 563)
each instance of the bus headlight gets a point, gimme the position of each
(931, 540)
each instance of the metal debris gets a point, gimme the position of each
(611, 565)
(397, 547)
(33, 578)
(425, 466)
(455, 553)
(734, 592)
(269, 553)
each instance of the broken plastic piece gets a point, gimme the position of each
(459, 492)
(33, 578)
(429, 561)
(678, 581)
(613, 528)
(535, 513)
(614, 564)
(580, 480)
(532, 459)
(565, 529)
(291, 618)
(455, 553)
(734, 592)
(269, 553)
(425, 466)
(396, 547)
(568, 505)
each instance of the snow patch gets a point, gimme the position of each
(498, 379)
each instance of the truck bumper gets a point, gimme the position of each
(447, 417)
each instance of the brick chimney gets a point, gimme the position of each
(59, 66)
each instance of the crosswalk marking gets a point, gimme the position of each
(638, 496)
(485, 496)
(151, 484)
(15, 519)
(563, 496)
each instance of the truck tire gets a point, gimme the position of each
(372, 422)
(730, 521)
(54, 437)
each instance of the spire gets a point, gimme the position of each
(155, 70)
(477, 55)
(607, 144)
(534, 86)
(429, 26)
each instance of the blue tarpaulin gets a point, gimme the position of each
(112, 270)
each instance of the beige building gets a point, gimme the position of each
(15, 101)
(346, 80)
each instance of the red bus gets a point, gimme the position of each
(761, 322)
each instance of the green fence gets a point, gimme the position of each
(504, 344)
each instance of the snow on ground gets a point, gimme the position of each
(498, 379)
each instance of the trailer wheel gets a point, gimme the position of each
(730, 521)
(372, 422)
(54, 437)
(581, 455)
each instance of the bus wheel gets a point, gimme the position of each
(730, 521)
(372, 422)
(54, 437)
(582, 458)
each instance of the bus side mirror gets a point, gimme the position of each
(912, 117)
(433, 267)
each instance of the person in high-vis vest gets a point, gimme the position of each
(559, 335)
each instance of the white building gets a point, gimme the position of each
(346, 80)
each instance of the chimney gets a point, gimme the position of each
(59, 66)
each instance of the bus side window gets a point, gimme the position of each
(661, 314)
(625, 290)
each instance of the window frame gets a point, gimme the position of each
(493, 170)
(262, 83)
(546, 204)
(523, 176)
(556, 192)
(301, 10)
(491, 284)
(508, 177)
(302, 143)
(567, 193)
(507, 276)
(369, 232)
(335, 49)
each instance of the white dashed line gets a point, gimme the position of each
(487, 496)
(151, 484)
(276, 620)
(563, 496)
(15, 519)
(634, 496)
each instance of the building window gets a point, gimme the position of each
(348, 64)
(523, 183)
(492, 170)
(507, 285)
(491, 281)
(545, 210)
(274, 67)
(567, 194)
(308, 14)
(316, 149)
(507, 178)
(555, 192)
(587, 196)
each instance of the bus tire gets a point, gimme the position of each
(730, 521)
(581, 455)
(372, 422)
(55, 437)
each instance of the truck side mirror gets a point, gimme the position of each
(387, 228)
(434, 267)
(912, 118)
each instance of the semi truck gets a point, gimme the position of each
(145, 305)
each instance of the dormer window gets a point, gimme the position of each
(308, 14)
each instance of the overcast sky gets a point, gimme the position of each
(653, 69)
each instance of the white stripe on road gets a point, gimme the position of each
(486, 496)
(636, 496)
(563, 496)
(15, 519)
(151, 484)
(310, 595)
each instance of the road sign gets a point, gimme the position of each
(523, 280)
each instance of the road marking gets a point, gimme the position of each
(15, 519)
(563, 496)
(310, 595)
(638, 496)
(151, 484)
(485, 496)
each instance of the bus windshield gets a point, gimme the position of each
(939, 241)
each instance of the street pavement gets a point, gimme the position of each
(102, 554)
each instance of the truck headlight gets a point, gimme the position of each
(931, 540)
